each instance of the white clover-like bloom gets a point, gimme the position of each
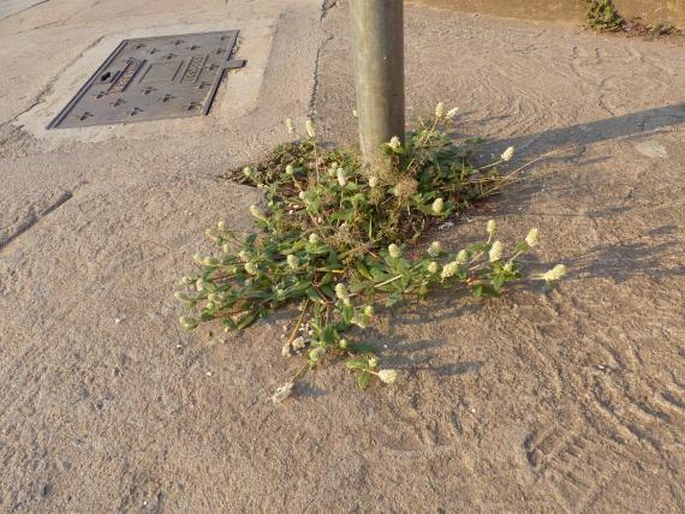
(309, 127)
(369, 311)
(508, 154)
(283, 392)
(394, 251)
(496, 251)
(341, 291)
(299, 343)
(247, 171)
(373, 181)
(438, 205)
(387, 376)
(433, 267)
(340, 175)
(290, 125)
(556, 273)
(449, 270)
(440, 110)
(293, 261)
(314, 238)
(243, 255)
(509, 267)
(343, 343)
(211, 234)
(452, 113)
(289, 170)
(251, 268)
(373, 362)
(533, 237)
(395, 143)
(492, 227)
(256, 212)
(187, 322)
(462, 257)
(435, 249)
(317, 354)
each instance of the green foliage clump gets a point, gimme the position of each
(602, 15)
(340, 239)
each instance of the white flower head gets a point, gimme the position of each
(394, 251)
(287, 350)
(221, 225)
(452, 113)
(283, 392)
(433, 267)
(317, 354)
(449, 270)
(556, 273)
(373, 362)
(387, 376)
(438, 205)
(440, 110)
(187, 322)
(257, 212)
(340, 175)
(369, 311)
(251, 268)
(533, 237)
(462, 257)
(299, 343)
(496, 251)
(343, 344)
(293, 261)
(314, 238)
(243, 255)
(309, 127)
(395, 143)
(247, 171)
(341, 291)
(290, 125)
(373, 181)
(508, 154)
(491, 229)
(435, 249)
(289, 170)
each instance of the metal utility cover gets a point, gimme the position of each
(153, 78)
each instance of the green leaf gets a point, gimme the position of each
(347, 313)
(247, 320)
(358, 363)
(363, 380)
(314, 295)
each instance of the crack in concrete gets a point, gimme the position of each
(311, 111)
(16, 13)
(34, 217)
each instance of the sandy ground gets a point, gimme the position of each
(651, 12)
(563, 401)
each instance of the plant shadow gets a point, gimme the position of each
(654, 255)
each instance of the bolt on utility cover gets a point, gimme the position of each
(153, 78)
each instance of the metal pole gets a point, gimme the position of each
(378, 34)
